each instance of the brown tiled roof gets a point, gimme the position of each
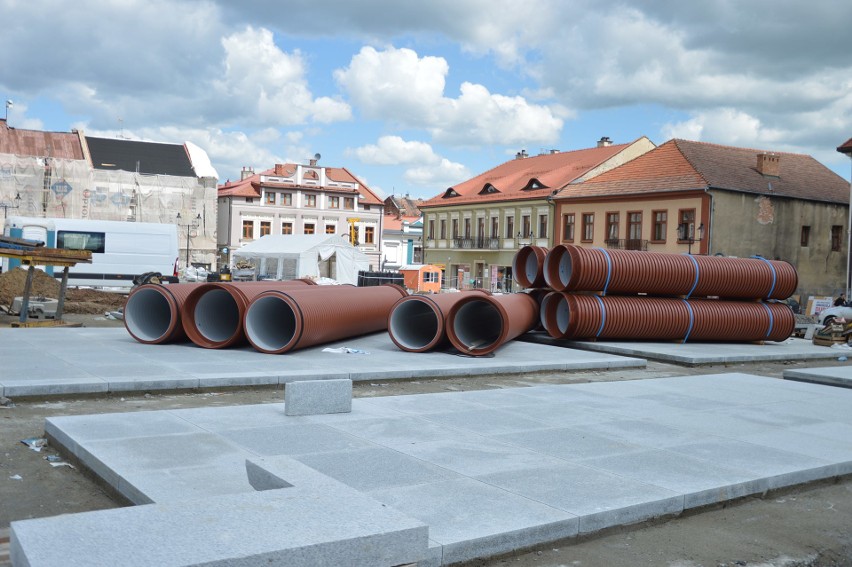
(250, 186)
(510, 180)
(846, 147)
(683, 165)
(36, 143)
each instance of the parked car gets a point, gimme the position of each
(838, 312)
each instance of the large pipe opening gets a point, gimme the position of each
(477, 324)
(415, 325)
(270, 323)
(532, 268)
(149, 315)
(217, 316)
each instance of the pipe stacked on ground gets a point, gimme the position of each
(212, 313)
(418, 323)
(152, 312)
(282, 320)
(573, 268)
(528, 266)
(479, 324)
(576, 316)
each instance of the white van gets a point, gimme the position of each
(120, 250)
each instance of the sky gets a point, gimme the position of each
(414, 96)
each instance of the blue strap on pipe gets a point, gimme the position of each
(691, 320)
(695, 282)
(608, 268)
(771, 319)
(774, 277)
(603, 316)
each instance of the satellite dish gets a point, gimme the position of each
(317, 156)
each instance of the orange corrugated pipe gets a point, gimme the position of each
(152, 312)
(417, 323)
(528, 266)
(478, 325)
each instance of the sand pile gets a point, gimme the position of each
(81, 301)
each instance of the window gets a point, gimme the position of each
(542, 226)
(310, 201)
(510, 226)
(660, 223)
(287, 199)
(526, 229)
(443, 229)
(369, 235)
(265, 228)
(455, 228)
(467, 228)
(568, 227)
(806, 235)
(248, 229)
(836, 233)
(480, 228)
(495, 227)
(431, 230)
(334, 202)
(686, 224)
(309, 228)
(286, 228)
(270, 198)
(431, 277)
(249, 199)
(81, 240)
(612, 226)
(330, 228)
(588, 227)
(634, 225)
(349, 203)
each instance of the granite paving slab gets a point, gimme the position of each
(830, 376)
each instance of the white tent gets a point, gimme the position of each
(291, 256)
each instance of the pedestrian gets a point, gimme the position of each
(841, 300)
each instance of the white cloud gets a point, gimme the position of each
(399, 86)
(393, 150)
(442, 175)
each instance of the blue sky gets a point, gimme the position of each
(413, 97)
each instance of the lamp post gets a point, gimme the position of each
(189, 227)
(9, 104)
(685, 236)
(6, 206)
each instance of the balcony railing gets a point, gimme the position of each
(479, 243)
(627, 244)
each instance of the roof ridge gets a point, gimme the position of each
(725, 146)
(689, 161)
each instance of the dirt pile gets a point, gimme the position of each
(80, 301)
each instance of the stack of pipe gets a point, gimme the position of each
(663, 296)
(275, 317)
(475, 322)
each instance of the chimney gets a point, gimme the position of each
(769, 164)
(312, 162)
(604, 142)
(279, 169)
(521, 154)
(246, 172)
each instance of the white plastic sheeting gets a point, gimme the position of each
(291, 256)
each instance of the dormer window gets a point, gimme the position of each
(534, 184)
(488, 189)
(450, 193)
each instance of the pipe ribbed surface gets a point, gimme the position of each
(152, 312)
(283, 320)
(573, 268)
(480, 325)
(575, 316)
(417, 323)
(212, 314)
(528, 266)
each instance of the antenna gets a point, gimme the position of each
(317, 156)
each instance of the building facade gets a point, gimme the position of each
(71, 175)
(299, 199)
(402, 232)
(475, 228)
(700, 198)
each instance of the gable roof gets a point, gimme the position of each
(845, 147)
(145, 157)
(684, 165)
(36, 143)
(523, 178)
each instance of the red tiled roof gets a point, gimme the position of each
(250, 186)
(683, 165)
(846, 147)
(510, 179)
(35, 143)
(391, 222)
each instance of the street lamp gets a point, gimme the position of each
(6, 206)
(189, 227)
(9, 105)
(684, 234)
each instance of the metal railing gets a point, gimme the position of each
(480, 242)
(627, 244)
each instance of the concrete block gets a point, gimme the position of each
(314, 397)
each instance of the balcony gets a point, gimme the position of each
(478, 243)
(627, 244)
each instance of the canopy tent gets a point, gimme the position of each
(291, 256)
